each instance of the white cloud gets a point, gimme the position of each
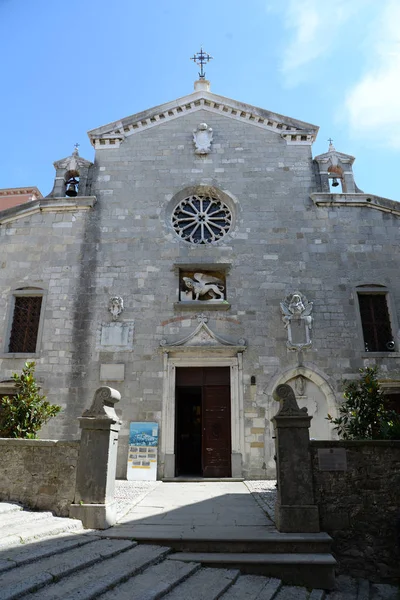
(314, 27)
(373, 103)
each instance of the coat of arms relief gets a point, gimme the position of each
(202, 138)
(297, 319)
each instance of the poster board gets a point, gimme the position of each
(142, 454)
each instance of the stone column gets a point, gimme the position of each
(295, 509)
(95, 477)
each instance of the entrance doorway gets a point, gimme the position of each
(203, 421)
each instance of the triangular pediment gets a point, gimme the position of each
(202, 336)
(292, 130)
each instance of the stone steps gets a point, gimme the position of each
(21, 526)
(310, 570)
(87, 565)
(206, 540)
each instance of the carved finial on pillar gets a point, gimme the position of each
(94, 502)
(102, 406)
(289, 407)
(295, 509)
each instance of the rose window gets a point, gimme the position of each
(201, 219)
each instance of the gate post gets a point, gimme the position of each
(295, 509)
(96, 469)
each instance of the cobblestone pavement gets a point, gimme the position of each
(130, 493)
(264, 493)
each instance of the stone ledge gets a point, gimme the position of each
(354, 443)
(202, 305)
(19, 355)
(46, 205)
(37, 443)
(356, 200)
(380, 355)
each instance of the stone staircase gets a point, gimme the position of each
(47, 558)
(297, 558)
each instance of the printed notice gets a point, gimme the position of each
(142, 454)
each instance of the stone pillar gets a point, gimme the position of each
(295, 510)
(95, 477)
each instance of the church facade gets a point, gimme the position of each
(203, 258)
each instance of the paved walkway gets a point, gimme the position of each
(215, 509)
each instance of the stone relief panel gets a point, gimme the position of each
(208, 286)
(202, 138)
(297, 319)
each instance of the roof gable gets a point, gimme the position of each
(292, 130)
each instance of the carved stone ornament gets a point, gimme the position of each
(289, 407)
(202, 138)
(203, 284)
(102, 406)
(115, 306)
(300, 385)
(296, 316)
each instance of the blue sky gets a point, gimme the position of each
(71, 66)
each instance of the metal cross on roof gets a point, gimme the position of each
(201, 58)
(330, 140)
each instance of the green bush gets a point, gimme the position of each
(363, 415)
(23, 414)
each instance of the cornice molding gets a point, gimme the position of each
(46, 205)
(291, 130)
(356, 200)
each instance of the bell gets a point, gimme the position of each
(335, 182)
(72, 188)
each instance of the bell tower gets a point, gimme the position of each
(72, 176)
(335, 171)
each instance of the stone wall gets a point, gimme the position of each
(360, 507)
(39, 474)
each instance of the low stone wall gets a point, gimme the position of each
(39, 474)
(360, 506)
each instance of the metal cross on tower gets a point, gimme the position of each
(201, 58)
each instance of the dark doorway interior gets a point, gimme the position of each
(203, 428)
(188, 405)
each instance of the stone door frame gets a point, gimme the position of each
(168, 420)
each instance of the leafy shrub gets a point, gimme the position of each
(23, 414)
(363, 415)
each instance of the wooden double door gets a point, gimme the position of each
(203, 421)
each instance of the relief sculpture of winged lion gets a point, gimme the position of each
(203, 284)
